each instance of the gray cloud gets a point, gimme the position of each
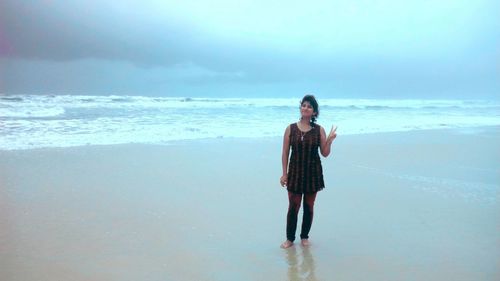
(41, 30)
(174, 52)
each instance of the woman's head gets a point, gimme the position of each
(309, 107)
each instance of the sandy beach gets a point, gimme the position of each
(421, 205)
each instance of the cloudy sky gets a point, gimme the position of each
(223, 48)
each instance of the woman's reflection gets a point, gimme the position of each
(300, 264)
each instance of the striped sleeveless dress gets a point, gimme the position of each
(305, 173)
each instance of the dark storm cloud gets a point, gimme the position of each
(43, 30)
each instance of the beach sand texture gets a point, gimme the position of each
(421, 205)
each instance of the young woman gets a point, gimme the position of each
(303, 175)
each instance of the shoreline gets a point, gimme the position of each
(460, 130)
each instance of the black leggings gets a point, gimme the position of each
(294, 201)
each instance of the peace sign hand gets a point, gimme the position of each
(332, 135)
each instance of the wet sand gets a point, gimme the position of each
(420, 205)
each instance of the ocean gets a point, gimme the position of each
(39, 121)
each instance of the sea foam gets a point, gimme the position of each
(34, 121)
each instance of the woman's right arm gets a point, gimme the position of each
(284, 156)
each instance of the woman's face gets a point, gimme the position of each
(306, 110)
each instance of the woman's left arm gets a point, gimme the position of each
(326, 142)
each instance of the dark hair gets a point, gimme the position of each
(312, 100)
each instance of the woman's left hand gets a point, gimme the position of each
(332, 135)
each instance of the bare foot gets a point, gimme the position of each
(305, 242)
(286, 244)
